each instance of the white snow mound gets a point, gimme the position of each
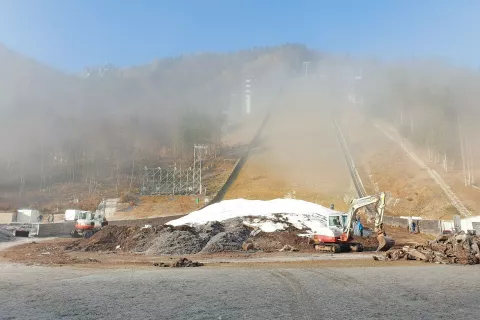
(301, 214)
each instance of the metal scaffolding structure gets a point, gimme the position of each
(167, 181)
(156, 181)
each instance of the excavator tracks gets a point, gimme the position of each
(337, 248)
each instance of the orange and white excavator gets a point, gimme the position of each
(338, 237)
(88, 224)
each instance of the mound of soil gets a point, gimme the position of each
(186, 263)
(107, 239)
(274, 241)
(228, 238)
(175, 242)
(369, 243)
(180, 263)
(167, 240)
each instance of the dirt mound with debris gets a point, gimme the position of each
(186, 263)
(369, 243)
(180, 263)
(168, 240)
(108, 239)
(231, 238)
(459, 248)
(275, 241)
(177, 242)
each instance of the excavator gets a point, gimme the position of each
(88, 224)
(339, 236)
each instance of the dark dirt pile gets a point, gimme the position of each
(212, 237)
(229, 237)
(369, 243)
(185, 263)
(180, 263)
(48, 253)
(459, 248)
(173, 241)
(275, 241)
(168, 240)
(108, 239)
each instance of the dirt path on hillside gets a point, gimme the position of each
(299, 157)
(384, 166)
(468, 195)
(449, 193)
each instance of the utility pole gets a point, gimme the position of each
(356, 96)
(306, 64)
(199, 152)
(462, 151)
(248, 95)
(235, 108)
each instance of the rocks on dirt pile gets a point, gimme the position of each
(461, 248)
(231, 238)
(212, 237)
(178, 242)
(208, 238)
(180, 263)
(185, 263)
(168, 240)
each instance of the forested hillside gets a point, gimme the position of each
(108, 122)
(101, 127)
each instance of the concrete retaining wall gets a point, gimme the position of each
(395, 222)
(430, 226)
(53, 229)
(424, 226)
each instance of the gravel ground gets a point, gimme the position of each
(417, 292)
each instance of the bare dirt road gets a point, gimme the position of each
(417, 292)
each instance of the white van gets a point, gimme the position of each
(74, 215)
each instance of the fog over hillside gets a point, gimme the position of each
(60, 128)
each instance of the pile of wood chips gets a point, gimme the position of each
(460, 248)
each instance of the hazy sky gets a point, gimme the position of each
(72, 34)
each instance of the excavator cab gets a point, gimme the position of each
(334, 221)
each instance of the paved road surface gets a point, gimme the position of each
(419, 292)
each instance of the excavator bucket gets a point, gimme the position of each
(384, 242)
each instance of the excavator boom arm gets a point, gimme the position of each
(384, 242)
(357, 204)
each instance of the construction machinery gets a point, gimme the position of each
(338, 236)
(88, 224)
